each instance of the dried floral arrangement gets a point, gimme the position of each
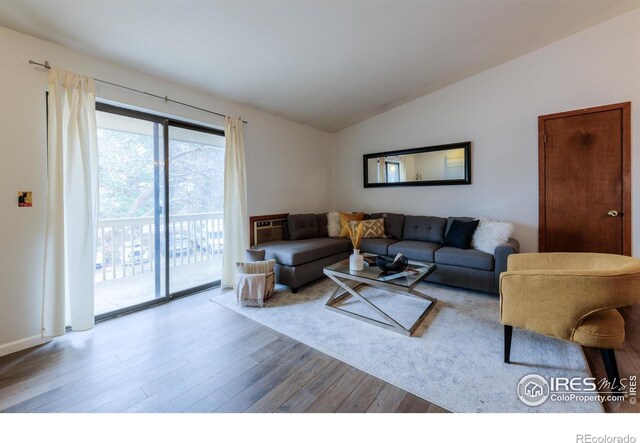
(355, 236)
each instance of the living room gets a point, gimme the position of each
(299, 162)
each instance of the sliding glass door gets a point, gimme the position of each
(196, 181)
(156, 241)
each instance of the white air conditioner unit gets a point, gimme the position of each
(267, 230)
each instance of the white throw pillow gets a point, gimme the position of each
(491, 233)
(333, 224)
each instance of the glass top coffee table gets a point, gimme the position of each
(373, 276)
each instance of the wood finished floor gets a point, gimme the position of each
(627, 357)
(154, 361)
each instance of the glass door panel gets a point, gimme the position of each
(129, 262)
(196, 181)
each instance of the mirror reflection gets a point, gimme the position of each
(448, 164)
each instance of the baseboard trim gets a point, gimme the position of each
(20, 345)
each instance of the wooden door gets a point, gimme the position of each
(585, 180)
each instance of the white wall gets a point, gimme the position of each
(497, 110)
(288, 164)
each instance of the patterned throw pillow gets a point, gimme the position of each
(372, 228)
(345, 218)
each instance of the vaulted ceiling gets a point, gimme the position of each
(326, 64)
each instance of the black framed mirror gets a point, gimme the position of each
(428, 166)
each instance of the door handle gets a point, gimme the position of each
(612, 213)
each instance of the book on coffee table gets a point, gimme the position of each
(370, 260)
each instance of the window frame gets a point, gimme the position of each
(386, 171)
(166, 122)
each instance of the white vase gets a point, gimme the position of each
(356, 262)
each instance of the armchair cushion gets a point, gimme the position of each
(602, 329)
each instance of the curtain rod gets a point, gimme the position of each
(46, 65)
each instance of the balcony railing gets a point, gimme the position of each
(126, 246)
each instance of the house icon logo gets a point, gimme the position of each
(533, 390)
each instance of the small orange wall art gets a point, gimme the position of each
(25, 199)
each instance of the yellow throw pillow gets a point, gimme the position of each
(371, 228)
(345, 218)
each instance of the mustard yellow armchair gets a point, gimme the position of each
(570, 296)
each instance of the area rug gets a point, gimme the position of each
(454, 359)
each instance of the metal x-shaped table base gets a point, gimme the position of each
(344, 291)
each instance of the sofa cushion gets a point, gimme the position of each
(451, 219)
(373, 228)
(467, 258)
(393, 224)
(302, 226)
(490, 234)
(333, 224)
(323, 225)
(297, 252)
(377, 246)
(460, 234)
(346, 218)
(424, 228)
(415, 250)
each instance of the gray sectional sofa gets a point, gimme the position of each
(307, 249)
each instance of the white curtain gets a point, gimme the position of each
(403, 170)
(72, 204)
(236, 221)
(382, 170)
